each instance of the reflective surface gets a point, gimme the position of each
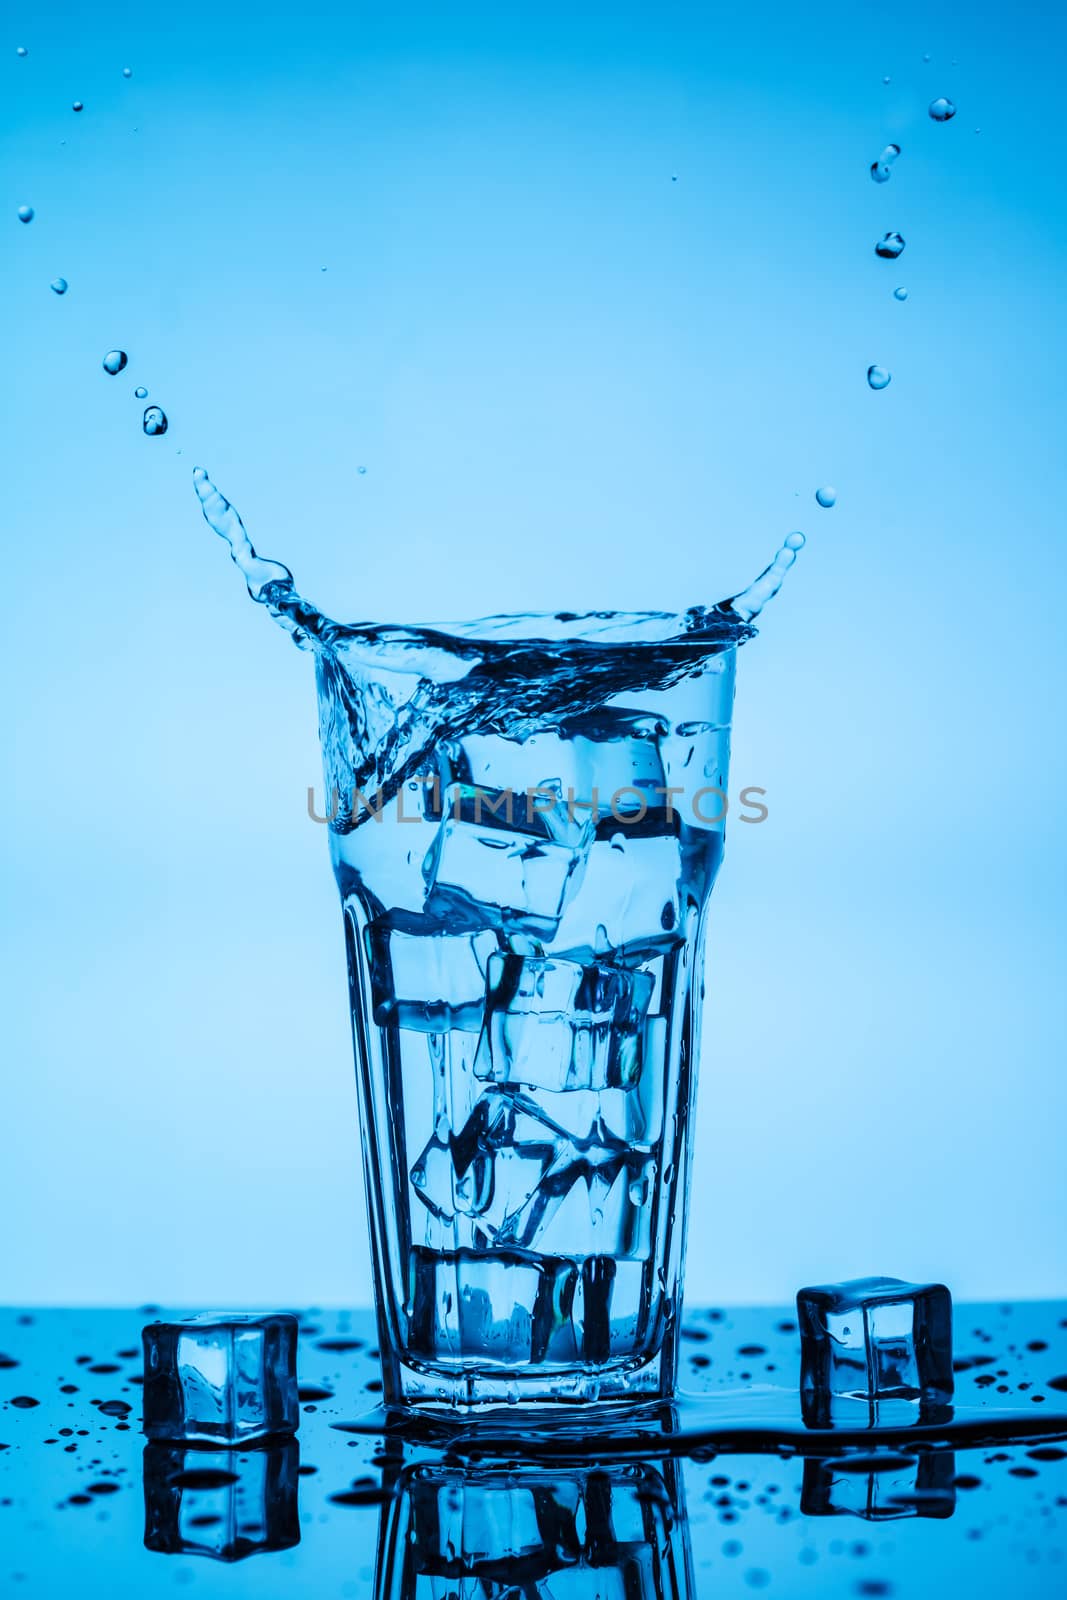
(726, 1493)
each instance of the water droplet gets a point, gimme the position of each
(127, 72)
(155, 421)
(889, 246)
(882, 169)
(900, 294)
(25, 213)
(59, 286)
(942, 110)
(878, 377)
(926, 58)
(20, 50)
(362, 471)
(114, 361)
(826, 497)
(887, 80)
(795, 541)
(141, 394)
(79, 105)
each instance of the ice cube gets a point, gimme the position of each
(632, 901)
(220, 1503)
(490, 1168)
(557, 1024)
(429, 983)
(480, 875)
(874, 1351)
(221, 1378)
(880, 1487)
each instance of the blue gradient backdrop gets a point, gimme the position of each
(572, 381)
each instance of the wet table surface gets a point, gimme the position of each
(723, 1495)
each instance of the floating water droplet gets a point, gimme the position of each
(942, 110)
(887, 80)
(155, 421)
(826, 497)
(926, 58)
(25, 213)
(878, 377)
(20, 50)
(900, 294)
(882, 169)
(114, 361)
(140, 394)
(127, 72)
(795, 541)
(362, 471)
(889, 246)
(79, 105)
(59, 285)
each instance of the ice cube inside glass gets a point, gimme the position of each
(221, 1379)
(877, 1349)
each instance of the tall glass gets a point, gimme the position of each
(525, 836)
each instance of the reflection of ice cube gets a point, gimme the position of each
(487, 875)
(880, 1487)
(875, 1350)
(220, 1503)
(555, 1024)
(220, 1379)
(428, 983)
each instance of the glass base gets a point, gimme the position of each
(476, 1390)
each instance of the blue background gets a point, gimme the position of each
(572, 381)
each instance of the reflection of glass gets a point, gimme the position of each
(878, 1489)
(226, 1504)
(616, 1532)
(524, 920)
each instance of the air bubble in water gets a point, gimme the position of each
(155, 421)
(878, 377)
(942, 110)
(140, 394)
(114, 361)
(59, 285)
(826, 497)
(25, 213)
(79, 105)
(882, 169)
(889, 246)
(900, 294)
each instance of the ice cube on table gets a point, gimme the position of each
(885, 1489)
(221, 1378)
(557, 1024)
(428, 983)
(874, 1351)
(221, 1503)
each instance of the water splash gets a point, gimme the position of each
(941, 109)
(140, 393)
(879, 377)
(79, 105)
(889, 246)
(26, 213)
(750, 602)
(155, 421)
(882, 169)
(59, 285)
(901, 293)
(826, 497)
(114, 361)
